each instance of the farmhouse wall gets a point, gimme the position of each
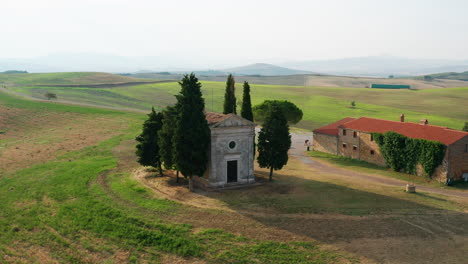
(369, 149)
(458, 159)
(360, 145)
(348, 144)
(325, 143)
(440, 173)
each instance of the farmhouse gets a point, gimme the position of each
(352, 138)
(231, 152)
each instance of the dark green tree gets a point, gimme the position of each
(50, 96)
(274, 141)
(192, 134)
(291, 111)
(465, 128)
(166, 138)
(230, 96)
(148, 145)
(428, 78)
(246, 111)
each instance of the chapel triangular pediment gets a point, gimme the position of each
(234, 121)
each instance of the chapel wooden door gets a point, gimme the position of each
(232, 171)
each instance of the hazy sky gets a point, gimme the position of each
(231, 30)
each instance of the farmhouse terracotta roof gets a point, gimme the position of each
(332, 129)
(214, 118)
(413, 130)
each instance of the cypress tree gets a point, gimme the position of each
(230, 96)
(166, 138)
(192, 134)
(274, 141)
(148, 145)
(246, 111)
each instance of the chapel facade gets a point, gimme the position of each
(231, 151)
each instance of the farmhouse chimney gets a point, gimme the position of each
(402, 118)
(424, 121)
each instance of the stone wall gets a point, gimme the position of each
(325, 143)
(458, 159)
(440, 173)
(348, 144)
(361, 146)
(220, 153)
(369, 149)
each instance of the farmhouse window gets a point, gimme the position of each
(354, 134)
(344, 132)
(371, 137)
(344, 145)
(372, 152)
(354, 147)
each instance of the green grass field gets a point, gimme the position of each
(68, 195)
(321, 105)
(63, 78)
(59, 210)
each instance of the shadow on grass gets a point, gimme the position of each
(298, 205)
(360, 165)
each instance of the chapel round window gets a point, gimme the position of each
(232, 144)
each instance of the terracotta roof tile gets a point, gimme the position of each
(214, 118)
(332, 129)
(413, 130)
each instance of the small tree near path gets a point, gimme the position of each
(274, 141)
(148, 145)
(50, 96)
(192, 134)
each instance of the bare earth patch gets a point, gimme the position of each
(33, 137)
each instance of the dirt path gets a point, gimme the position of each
(298, 152)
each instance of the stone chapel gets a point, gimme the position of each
(231, 152)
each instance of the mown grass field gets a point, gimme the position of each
(321, 105)
(62, 209)
(68, 192)
(63, 78)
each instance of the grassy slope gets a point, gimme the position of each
(321, 105)
(58, 211)
(64, 78)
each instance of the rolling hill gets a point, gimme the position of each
(461, 76)
(378, 66)
(321, 105)
(263, 69)
(65, 78)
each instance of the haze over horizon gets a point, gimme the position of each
(221, 33)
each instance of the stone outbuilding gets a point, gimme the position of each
(352, 138)
(231, 152)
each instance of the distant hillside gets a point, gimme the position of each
(317, 80)
(378, 66)
(462, 76)
(264, 70)
(65, 78)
